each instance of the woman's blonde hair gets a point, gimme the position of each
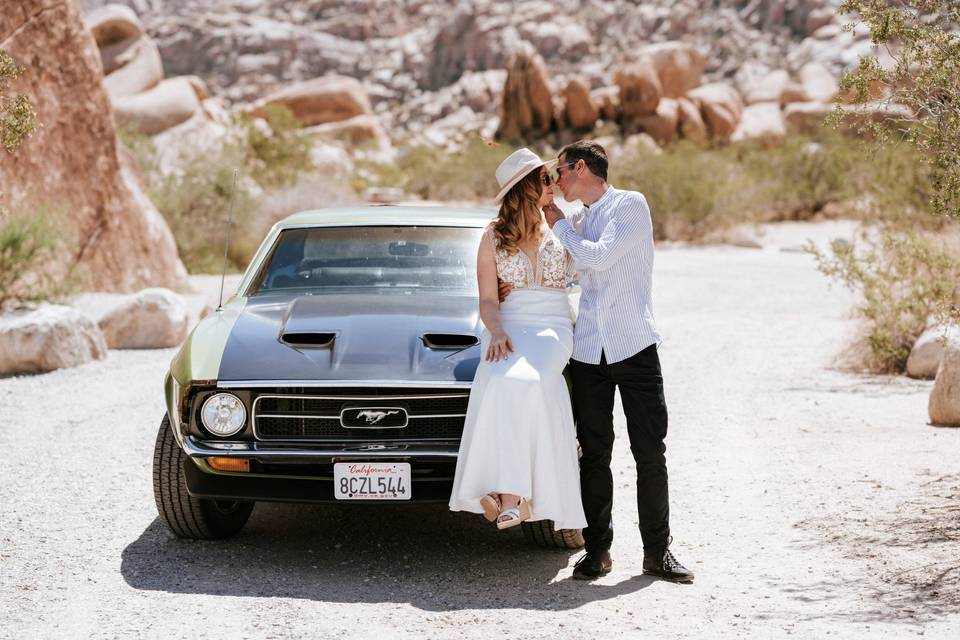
(519, 216)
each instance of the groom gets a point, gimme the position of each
(615, 345)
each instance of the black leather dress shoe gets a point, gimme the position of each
(667, 567)
(593, 565)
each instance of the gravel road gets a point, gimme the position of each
(809, 502)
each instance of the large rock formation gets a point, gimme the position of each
(581, 112)
(721, 107)
(159, 108)
(72, 165)
(691, 124)
(142, 100)
(327, 99)
(412, 51)
(762, 122)
(640, 90)
(662, 125)
(526, 107)
(679, 66)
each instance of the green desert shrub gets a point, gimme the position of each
(695, 192)
(904, 278)
(195, 198)
(279, 153)
(196, 202)
(29, 246)
(690, 190)
(435, 174)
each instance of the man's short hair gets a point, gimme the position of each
(592, 154)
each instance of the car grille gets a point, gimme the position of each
(432, 414)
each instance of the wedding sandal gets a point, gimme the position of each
(515, 515)
(491, 507)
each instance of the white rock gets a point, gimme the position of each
(113, 23)
(928, 351)
(149, 319)
(944, 406)
(137, 68)
(51, 337)
(331, 157)
(769, 87)
(200, 135)
(762, 121)
(819, 85)
(166, 105)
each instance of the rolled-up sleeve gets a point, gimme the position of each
(629, 225)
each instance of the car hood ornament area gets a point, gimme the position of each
(375, 417)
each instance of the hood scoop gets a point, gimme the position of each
(308, 339)
(449, 341)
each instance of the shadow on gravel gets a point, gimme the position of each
(911, 552)
(425, 555)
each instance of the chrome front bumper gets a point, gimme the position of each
(274, 452)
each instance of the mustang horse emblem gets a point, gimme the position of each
(373, 417)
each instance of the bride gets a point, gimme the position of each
(518, 454)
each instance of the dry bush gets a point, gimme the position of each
(196, 198)
(29, 243)
(903, 277)
(314, 191)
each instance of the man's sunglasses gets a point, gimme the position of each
(548, 178)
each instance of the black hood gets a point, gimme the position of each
(354, 336)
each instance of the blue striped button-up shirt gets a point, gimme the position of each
(611, 242)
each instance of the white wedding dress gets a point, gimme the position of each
(519, 436)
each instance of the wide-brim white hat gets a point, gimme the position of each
(516, 166)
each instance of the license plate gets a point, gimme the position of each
(371, 481)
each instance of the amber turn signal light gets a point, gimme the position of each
(229, 464)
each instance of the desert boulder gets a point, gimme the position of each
(326, 99)
(48, 338)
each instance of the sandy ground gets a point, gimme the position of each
(809, 501)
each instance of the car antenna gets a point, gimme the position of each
(226, 248)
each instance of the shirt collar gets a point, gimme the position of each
(600, 202)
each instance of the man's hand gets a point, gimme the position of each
(552, 214)
(503, 289)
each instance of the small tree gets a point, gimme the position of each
(923, 40)
(17, 118)
(904, 272)
(27, 241)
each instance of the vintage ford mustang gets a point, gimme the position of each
(339, 372)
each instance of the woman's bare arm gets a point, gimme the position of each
(500, 343)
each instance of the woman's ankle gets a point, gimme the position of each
(508, 500)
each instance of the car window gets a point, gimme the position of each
(328, 258)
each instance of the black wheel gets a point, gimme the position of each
(190, 517)
(542, 534)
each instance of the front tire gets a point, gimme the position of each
(187, 516)
(543, 534)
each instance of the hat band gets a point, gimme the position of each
(520, 174)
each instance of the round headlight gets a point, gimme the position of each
(223, 414)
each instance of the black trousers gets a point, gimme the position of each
(641, 391)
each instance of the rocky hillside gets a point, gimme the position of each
(422, 61)
(72, 166)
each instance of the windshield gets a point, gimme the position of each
(333, 258)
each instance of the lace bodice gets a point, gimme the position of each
(551, 270)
